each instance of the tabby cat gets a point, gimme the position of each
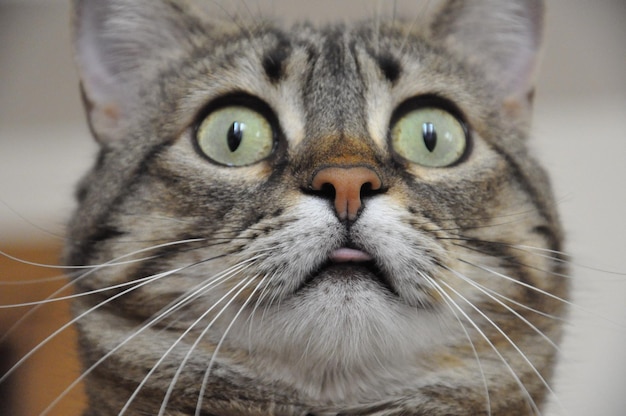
(338, 219)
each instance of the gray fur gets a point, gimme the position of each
(284, 334)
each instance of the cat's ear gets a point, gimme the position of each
(119, 44)
(504, 37)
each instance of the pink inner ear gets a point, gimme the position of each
(96, 79)
(113, 39)
(503, 37)
(521, 72)
(107, 91)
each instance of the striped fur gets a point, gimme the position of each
(243, 315)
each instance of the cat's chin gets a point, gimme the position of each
(352, 276)
(344, 324)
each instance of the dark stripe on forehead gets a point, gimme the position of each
(273, 61)
(334, 91)
(390, 67)
(334, 53)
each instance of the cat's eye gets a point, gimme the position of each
(235, 136)
(429, 136)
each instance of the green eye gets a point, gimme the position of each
(235, 136)
(430, 137)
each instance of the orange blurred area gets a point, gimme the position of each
(42, 377)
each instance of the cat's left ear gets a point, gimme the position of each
(503, 37)
(120, 47)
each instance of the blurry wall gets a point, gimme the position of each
(580, 134)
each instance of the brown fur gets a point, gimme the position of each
(452, 302)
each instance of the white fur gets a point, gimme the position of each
(342, 340)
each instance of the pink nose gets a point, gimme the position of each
(347, 183)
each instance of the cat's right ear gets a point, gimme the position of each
(502, 37)
(119, 45)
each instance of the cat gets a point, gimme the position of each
(340, 219)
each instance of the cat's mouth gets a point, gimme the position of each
(349, 265)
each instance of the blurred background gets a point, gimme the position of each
(579, 133)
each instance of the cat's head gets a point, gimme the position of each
(350, 200)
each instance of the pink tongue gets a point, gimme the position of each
(344, 255)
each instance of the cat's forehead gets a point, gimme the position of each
(331, 44)
(335, 86)
(335, 65)
(320, 80)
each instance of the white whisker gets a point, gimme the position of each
(50, 279)
(77, 295)
(207, 373)
(159, 316)
(521, 305)
(566, 261)
(256, 306)
(526, 285)
(188, 298)
(80, 316)
(550, 295)
(452, 305)
(508, 308)
(244, 283)
(92, 269)
(110, 263)
(515, 347)
(35, 226)
(518, 381)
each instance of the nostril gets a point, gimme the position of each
(367, 189)
(327, 190)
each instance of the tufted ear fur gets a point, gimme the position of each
(502, 37)
(119, 44)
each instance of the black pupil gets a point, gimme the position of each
(235, 135)
(430, 136)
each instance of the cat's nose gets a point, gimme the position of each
(346, 186)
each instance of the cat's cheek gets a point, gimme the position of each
(403, 251)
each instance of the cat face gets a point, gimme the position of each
(341, 214)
